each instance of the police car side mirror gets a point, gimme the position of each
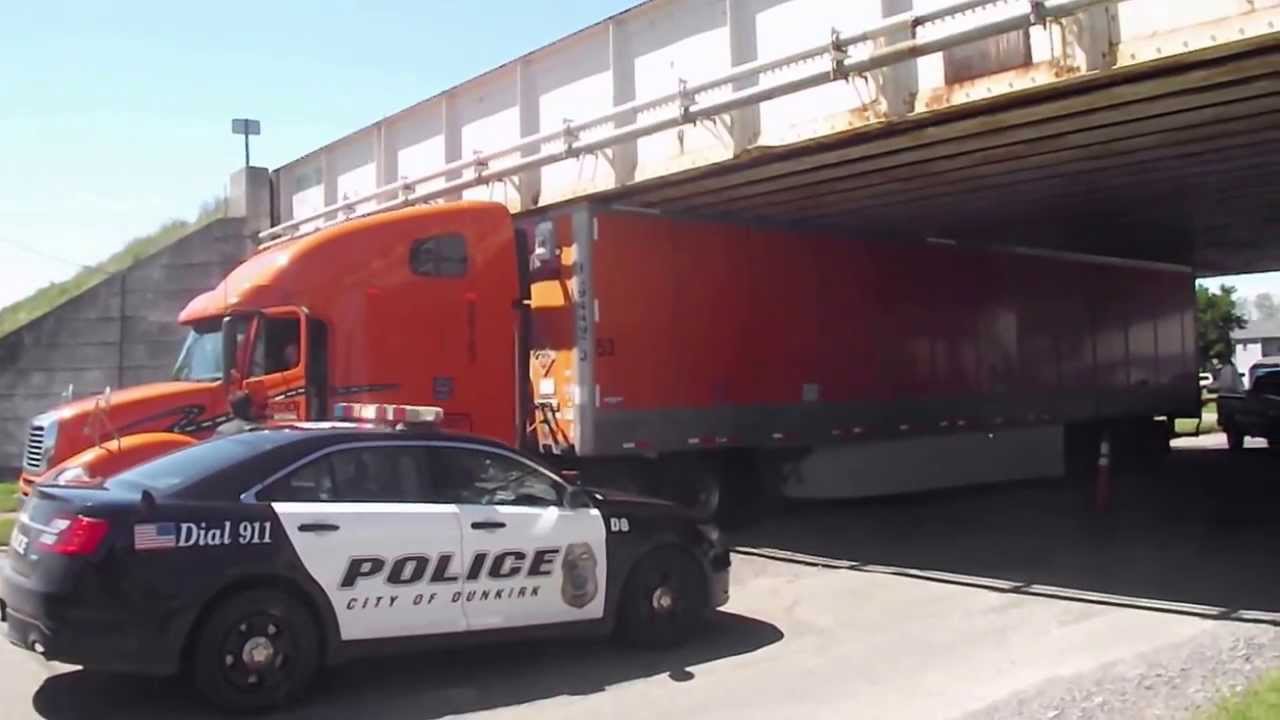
(577, 499)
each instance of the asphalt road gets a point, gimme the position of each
(930, 606)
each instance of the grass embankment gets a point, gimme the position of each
(1260, 701)
(1208, 419)
(8, 497)
(50, 296)
(9, 502)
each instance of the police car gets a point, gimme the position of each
(251, 561)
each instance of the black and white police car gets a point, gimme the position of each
(253, 560)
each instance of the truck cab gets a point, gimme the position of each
(1254, 412)
(418, 304)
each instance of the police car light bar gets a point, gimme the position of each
(382, 412)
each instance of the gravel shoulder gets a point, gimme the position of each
(1174, 681)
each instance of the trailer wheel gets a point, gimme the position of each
(1235, 440)
(690, 480)
(752, 489)
(707, 494)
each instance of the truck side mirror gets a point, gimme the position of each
(544, 256)
(229, 352)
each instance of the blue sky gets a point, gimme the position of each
(116, 116)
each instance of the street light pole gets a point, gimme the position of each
(246, 127)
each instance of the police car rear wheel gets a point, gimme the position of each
(664, 600)
(257, 650)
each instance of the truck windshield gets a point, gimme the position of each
(201, 357)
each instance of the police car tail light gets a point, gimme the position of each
(77, 535)
(382, 412)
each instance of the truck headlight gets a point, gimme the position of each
(74, 475)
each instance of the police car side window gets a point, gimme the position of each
(372, 474)
(381, 474)
(482, 477)
(313, 482)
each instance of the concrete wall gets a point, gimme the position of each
(120, 332)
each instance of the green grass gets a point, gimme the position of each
(47, 298)
(8, 496)
(6, 529)
(1187, 426)
(1260, 700)
(1208, 418)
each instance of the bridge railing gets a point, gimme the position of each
(719, 101)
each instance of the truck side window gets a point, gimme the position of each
(439, 256)
(276, 348)
(1267, 383)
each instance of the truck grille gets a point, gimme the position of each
(33, 458)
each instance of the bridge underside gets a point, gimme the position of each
(1174, 160)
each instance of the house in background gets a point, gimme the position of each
(1258, 339)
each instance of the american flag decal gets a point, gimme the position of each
(155, 536)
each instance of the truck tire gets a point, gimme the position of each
(700, 486)
(1080, 448)
(664, 600)
(751, 491)
(1235, 440)
(255, 651)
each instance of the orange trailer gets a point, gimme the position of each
(708, 346)
(654, 334)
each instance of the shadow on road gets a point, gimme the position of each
(426, 686)
(1204, 529)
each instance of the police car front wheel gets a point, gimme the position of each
(256, 650)
(664, 600)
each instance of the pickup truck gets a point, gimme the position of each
(1254, 413)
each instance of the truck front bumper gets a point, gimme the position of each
(25, 481)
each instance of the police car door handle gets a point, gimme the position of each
(488, 525)
(317, 527)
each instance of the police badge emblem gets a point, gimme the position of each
(579, 586)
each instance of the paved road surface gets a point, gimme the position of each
(933, 606)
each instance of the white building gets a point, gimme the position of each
(1258, 339)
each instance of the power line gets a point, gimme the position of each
(40, 253)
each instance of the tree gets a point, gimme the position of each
(1265, 305)
(1244, 306)
(1216, 318)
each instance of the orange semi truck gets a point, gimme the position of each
(702, 354)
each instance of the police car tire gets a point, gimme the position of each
(247, 613)
(641, 622)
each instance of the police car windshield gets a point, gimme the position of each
(201, 460)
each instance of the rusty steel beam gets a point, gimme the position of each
(1252, 132)
(1065, 195)
(1125, 86)
(1262, 96)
